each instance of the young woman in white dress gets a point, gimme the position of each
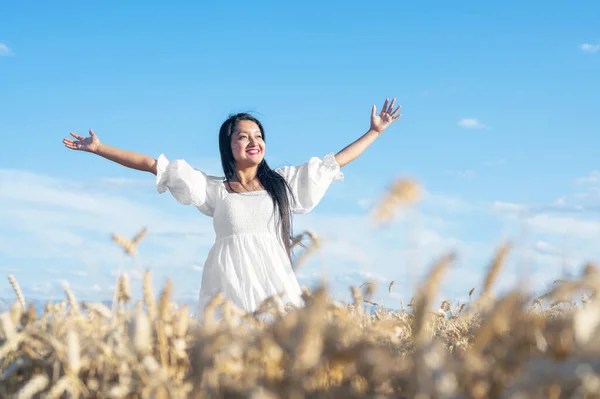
(251, 206)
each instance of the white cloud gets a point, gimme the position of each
(560, 201)
(589, 48)
(132, 273)
(69, 226)
(545, 247)
(555, 239)
(75, 273)
(50, 225)
(370, 276)
(446, 203)
(592, 178)
(563, 225)
(121, 181)
(366, 203)
(496, 162)
(465, 174)
(509, 207)
(4, 50)
(551, 220)
(470, 123)
(40, 287)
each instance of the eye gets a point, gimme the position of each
(242, 137)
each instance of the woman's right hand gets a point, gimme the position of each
(89, 144)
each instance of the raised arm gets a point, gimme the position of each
(378, 124)
(126, 158)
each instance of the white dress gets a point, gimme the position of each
(248, 261)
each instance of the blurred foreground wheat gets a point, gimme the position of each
(512, 347)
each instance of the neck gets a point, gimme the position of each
(247, 174)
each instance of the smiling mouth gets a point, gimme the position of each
(253, 152)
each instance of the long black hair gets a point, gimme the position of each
(273, 183)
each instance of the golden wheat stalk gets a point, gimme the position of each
(148, 292)
(34, 386)
(426, 295)
(369, 290)
(402, 192)
(130, 245)
(17, 289)
(123, 289)
(498, 321)
(357, 300)
(315, 244)
(71, 298)
(163, 303)
(495, 267)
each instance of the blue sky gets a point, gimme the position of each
(499, 125)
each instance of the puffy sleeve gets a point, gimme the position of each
(309, 181)
(189, 186)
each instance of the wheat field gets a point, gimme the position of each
(512, 346)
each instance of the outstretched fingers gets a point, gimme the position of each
(388, 113)
(384, 108)
(74, 144)
(71, 144)
(78, 137)
(391, 107)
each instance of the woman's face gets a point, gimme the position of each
(247, 144)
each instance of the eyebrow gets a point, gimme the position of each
(247, 131)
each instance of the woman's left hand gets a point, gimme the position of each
(386, 117)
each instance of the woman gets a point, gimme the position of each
(251, 206)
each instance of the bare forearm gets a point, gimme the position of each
(354, 150)
(128, 159)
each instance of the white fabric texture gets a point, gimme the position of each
(248, 261)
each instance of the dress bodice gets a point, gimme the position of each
(244, 213)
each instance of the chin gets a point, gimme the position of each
(256, 159)
(249, 161)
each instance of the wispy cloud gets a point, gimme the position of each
(446, 204)
(508, 207)
(546, 247)
(495, 162)
(589, 48)
(69, 226)
(564, 233)
(76, 273)
(120, 181)
(564, 225)
(592, 178)
(471, 123)
(555, 239)
(465, 174)
(4, 50)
